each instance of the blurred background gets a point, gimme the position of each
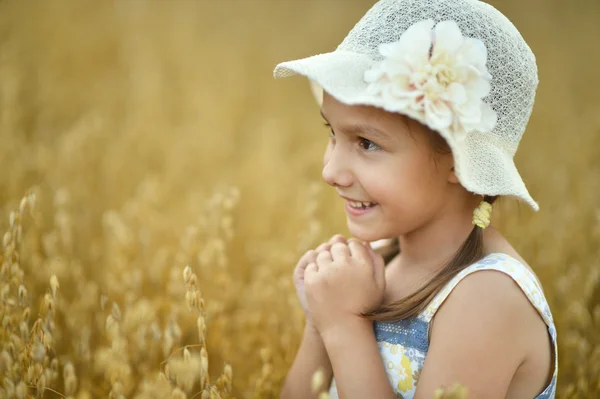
(139, 137)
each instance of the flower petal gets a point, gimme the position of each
(448, 38)
(469, 113)
(457, 93)
(396, 68)
(402, 88)
(415, 42)
(438, 114)
(392, 51)
(474, 52)
(478, 87)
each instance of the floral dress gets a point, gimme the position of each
(403, 345)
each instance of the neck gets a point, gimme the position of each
(432, 245)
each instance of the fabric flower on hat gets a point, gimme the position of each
(437, 76)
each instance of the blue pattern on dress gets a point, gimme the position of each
(410, 333)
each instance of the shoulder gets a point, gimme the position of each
(497, 244)
(494, 289)
(485, 293)
(478, 334)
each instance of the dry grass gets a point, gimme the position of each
(151, 136)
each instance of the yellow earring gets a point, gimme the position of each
(481, 214)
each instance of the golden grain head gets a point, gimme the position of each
(187, 274)
(70, 384)
(41, 384)
(6, 240)
(178, 394)
(54, 286)
(23, 205)
(22, 294)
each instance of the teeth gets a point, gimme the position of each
(361, 205)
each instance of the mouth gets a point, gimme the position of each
(361, 204)
(358, 208)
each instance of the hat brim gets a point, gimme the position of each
(482, 164)
(339, 73)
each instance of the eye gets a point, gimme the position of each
(331, 133)
(368, 145)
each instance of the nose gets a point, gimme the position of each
(336, 167)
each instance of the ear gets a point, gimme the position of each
(452, 178)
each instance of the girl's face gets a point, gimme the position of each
(385, 159)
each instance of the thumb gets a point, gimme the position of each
(378, 266)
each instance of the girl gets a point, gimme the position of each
(427, 101)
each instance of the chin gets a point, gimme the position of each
(366, 234)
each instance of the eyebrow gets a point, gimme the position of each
(356, 129)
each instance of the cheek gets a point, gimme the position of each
(412, 183)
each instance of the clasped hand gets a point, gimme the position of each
(341, 280)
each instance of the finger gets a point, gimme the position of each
(337, 238)
(311, 256)
(378, 266)
(358, 251)
(324, 259)
(308, 257)
(311, 270)
(340, 251)
(323, 247)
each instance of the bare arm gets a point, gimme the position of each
(311, 355)
(478, 343)
(356, 361)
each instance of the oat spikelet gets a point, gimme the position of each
(21, 390)
(54, 286)
(116, 312)
(228, 374)
(22, 292)
(201, 329)
(70, 380)
(187, 274)
(178, 394)
(48, 305)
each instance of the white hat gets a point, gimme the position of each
(458, 66)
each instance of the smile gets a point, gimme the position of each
(359, 208)
(361, 205)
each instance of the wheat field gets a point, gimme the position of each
(158, 186)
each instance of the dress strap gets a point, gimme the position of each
(503, 263)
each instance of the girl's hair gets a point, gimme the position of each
(470, 252)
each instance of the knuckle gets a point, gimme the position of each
(337, 237)
(338, 245)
